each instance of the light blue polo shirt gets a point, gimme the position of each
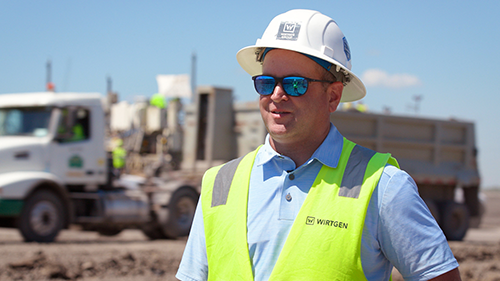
(399, 229)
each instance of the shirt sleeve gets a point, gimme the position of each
(194, 264)
(409, 236)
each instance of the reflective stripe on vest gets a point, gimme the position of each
(223, 182)
(331, 213)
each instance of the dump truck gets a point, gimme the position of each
(440, 155)
(56, 172)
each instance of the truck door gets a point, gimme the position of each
(73, 152)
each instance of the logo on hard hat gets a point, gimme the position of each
(347, 51)
(288, 31)
(289, 27)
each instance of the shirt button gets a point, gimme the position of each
(288, 197)
(291, 177)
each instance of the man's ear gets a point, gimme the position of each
(334, 91)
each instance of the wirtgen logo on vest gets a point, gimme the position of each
(313, 220)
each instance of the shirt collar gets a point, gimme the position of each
(328, 153)
(266, 153)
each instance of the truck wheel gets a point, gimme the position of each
(454, 220)
(181, 209)
(42, 217)
(153, 231)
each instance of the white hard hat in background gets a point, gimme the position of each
(310, 33)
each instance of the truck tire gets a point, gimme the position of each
(454, 220)
(42, 217)
(153, 231)
(181, 207)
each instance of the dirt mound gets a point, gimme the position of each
(478, 261)
(149, 265)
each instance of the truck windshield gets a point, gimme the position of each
(25, 121)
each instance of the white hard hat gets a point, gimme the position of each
(310, 33)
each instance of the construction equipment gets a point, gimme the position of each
(440, 155)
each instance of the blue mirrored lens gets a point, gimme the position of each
(264, 85)
(295, 86)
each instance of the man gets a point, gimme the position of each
(119, 155)
(309, 204)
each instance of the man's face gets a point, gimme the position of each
(293, 120)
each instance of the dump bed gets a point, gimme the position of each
(432, 151)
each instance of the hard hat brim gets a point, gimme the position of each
(353, 91)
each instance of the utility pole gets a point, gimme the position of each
(193, 75)
(49, 85)
(109, 84)
(112, 96)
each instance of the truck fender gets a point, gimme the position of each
(20, 185)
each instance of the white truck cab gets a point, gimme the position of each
(60, 135)
(49, 143)
(55, 170)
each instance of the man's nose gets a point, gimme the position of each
(279, 93)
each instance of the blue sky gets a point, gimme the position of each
(446, 51)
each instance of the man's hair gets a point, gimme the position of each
(328, 76)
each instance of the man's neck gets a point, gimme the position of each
(299, 151)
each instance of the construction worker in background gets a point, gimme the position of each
(119, 156)
(347, 106)
(361, 107)
(158, 100)
(70, 133)
(78, 132)
(310, 204)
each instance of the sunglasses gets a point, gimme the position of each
(294, 86)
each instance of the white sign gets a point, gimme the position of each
(174, 86)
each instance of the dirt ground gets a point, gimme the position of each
(79, 255)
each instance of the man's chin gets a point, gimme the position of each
(279, 132)
(277, 129)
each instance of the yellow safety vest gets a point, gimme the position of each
(119, 157)
(324, 242)
(78, 133)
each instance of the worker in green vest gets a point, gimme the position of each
(309, 204)
(70, 134)
(157, 100)
(361, 107)
(119, 156)
(78, 132)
